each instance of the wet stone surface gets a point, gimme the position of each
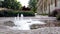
(46, 29)
(9, 23)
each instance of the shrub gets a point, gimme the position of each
(44, 14)
(55, 12)
(27, 13)
(12, 13)
(58, 17)
(8, 13)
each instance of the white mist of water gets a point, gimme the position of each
(22, 24)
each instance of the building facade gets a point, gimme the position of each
(46, 6)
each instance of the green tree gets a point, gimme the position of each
(12, 4)
(32, 5)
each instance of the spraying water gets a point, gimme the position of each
(22, 24)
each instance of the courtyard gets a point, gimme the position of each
(29, 16)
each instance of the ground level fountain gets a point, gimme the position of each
(24, 24)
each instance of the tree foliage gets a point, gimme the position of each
(32, 4)
(12, 4)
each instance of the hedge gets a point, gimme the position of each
(27, 13)
(12, 13)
